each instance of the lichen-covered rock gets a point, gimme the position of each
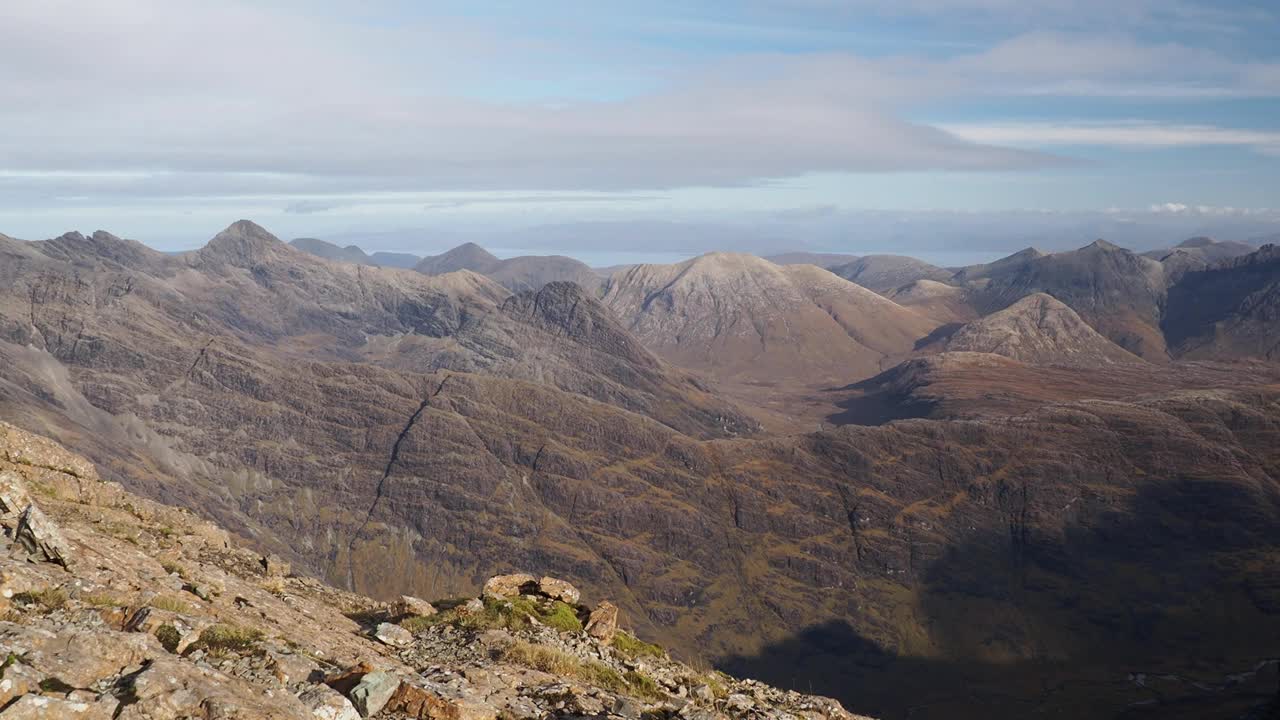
(503, 587)
(557, 589)
(171, 688)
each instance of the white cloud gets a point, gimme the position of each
(184, 99)
(1129, 134)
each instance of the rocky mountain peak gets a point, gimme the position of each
(1103, 246)
(1197, 242)
(244, 244)
(467, 256)
(1039, 330)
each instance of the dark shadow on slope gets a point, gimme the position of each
(939, 335)
(1161, 608)
(878, 407)
(880, 399)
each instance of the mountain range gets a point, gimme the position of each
(924, 500)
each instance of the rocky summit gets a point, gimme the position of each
(115, 606)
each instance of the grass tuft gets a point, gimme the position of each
(221, 639)
(632, 647)
(45, 601)
(593, 672)
(560, 616)
(169, 637)
(515, 614)
(642, 685)
(172, 604)
(102, 599)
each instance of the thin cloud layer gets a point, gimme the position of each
(324, 108)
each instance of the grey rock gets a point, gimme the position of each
(328, 704)
(42, 538)
(373, 691)
(393, 635)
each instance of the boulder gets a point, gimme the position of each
(41, 537)
(505, 587)
(602, 624)
(417, 701)
(393, 635)
(373, 692)
(409, 606)
(557, 589)
(326, 703)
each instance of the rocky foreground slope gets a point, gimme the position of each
(118, 607)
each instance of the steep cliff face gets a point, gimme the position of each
(1229, 311)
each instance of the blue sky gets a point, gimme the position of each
(427, 121)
